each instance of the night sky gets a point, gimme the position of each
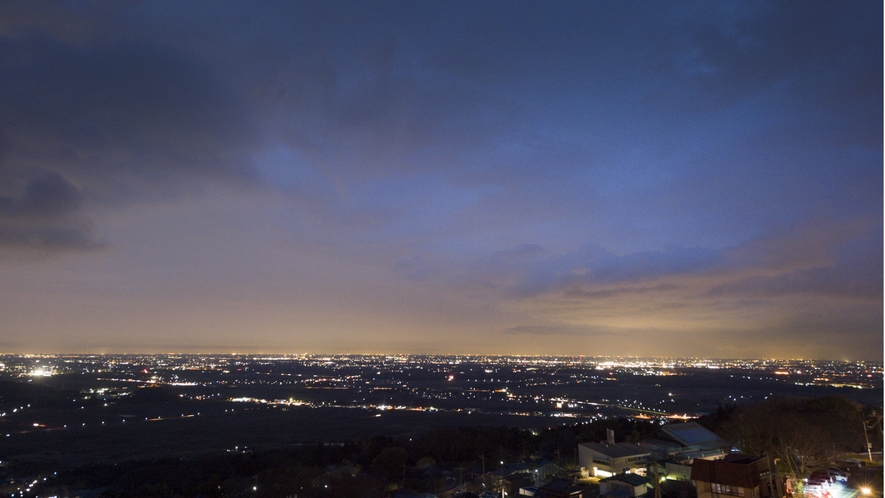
(503, 177)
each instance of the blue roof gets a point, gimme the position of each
(694, 434)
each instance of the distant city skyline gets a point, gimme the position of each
(691, 179)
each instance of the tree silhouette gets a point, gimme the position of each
(390, 461)
(801, 435)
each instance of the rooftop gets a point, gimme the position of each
(694, 434)
(631, 479)
(617, 450)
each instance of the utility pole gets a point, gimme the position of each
(771, 492)
(482, 456)
(863, 421)
(657, 482)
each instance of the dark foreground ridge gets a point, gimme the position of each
(453, 460)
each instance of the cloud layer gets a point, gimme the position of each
(422, 177)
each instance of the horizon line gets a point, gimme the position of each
(471, 355)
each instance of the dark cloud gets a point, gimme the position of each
(544, 330)
(801, 289)
(845, 262)
(123, 106)
(621, 291)
(843, 332)
(40, 239)
(558, 330)
(817, 256)
(49, 196)
(591, 266)
(45, 217)
(815, 53)
(123, 121)
(857, 324)
(835, 281)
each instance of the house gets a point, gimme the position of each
(661, 448)
(543, 469)
(606, 459)
(736, 475)
(522, 474)
(693, 434)
(559, 487)
(624, 485)
(686, 442)
(508, 478)
(449, 488)
(669, 469)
